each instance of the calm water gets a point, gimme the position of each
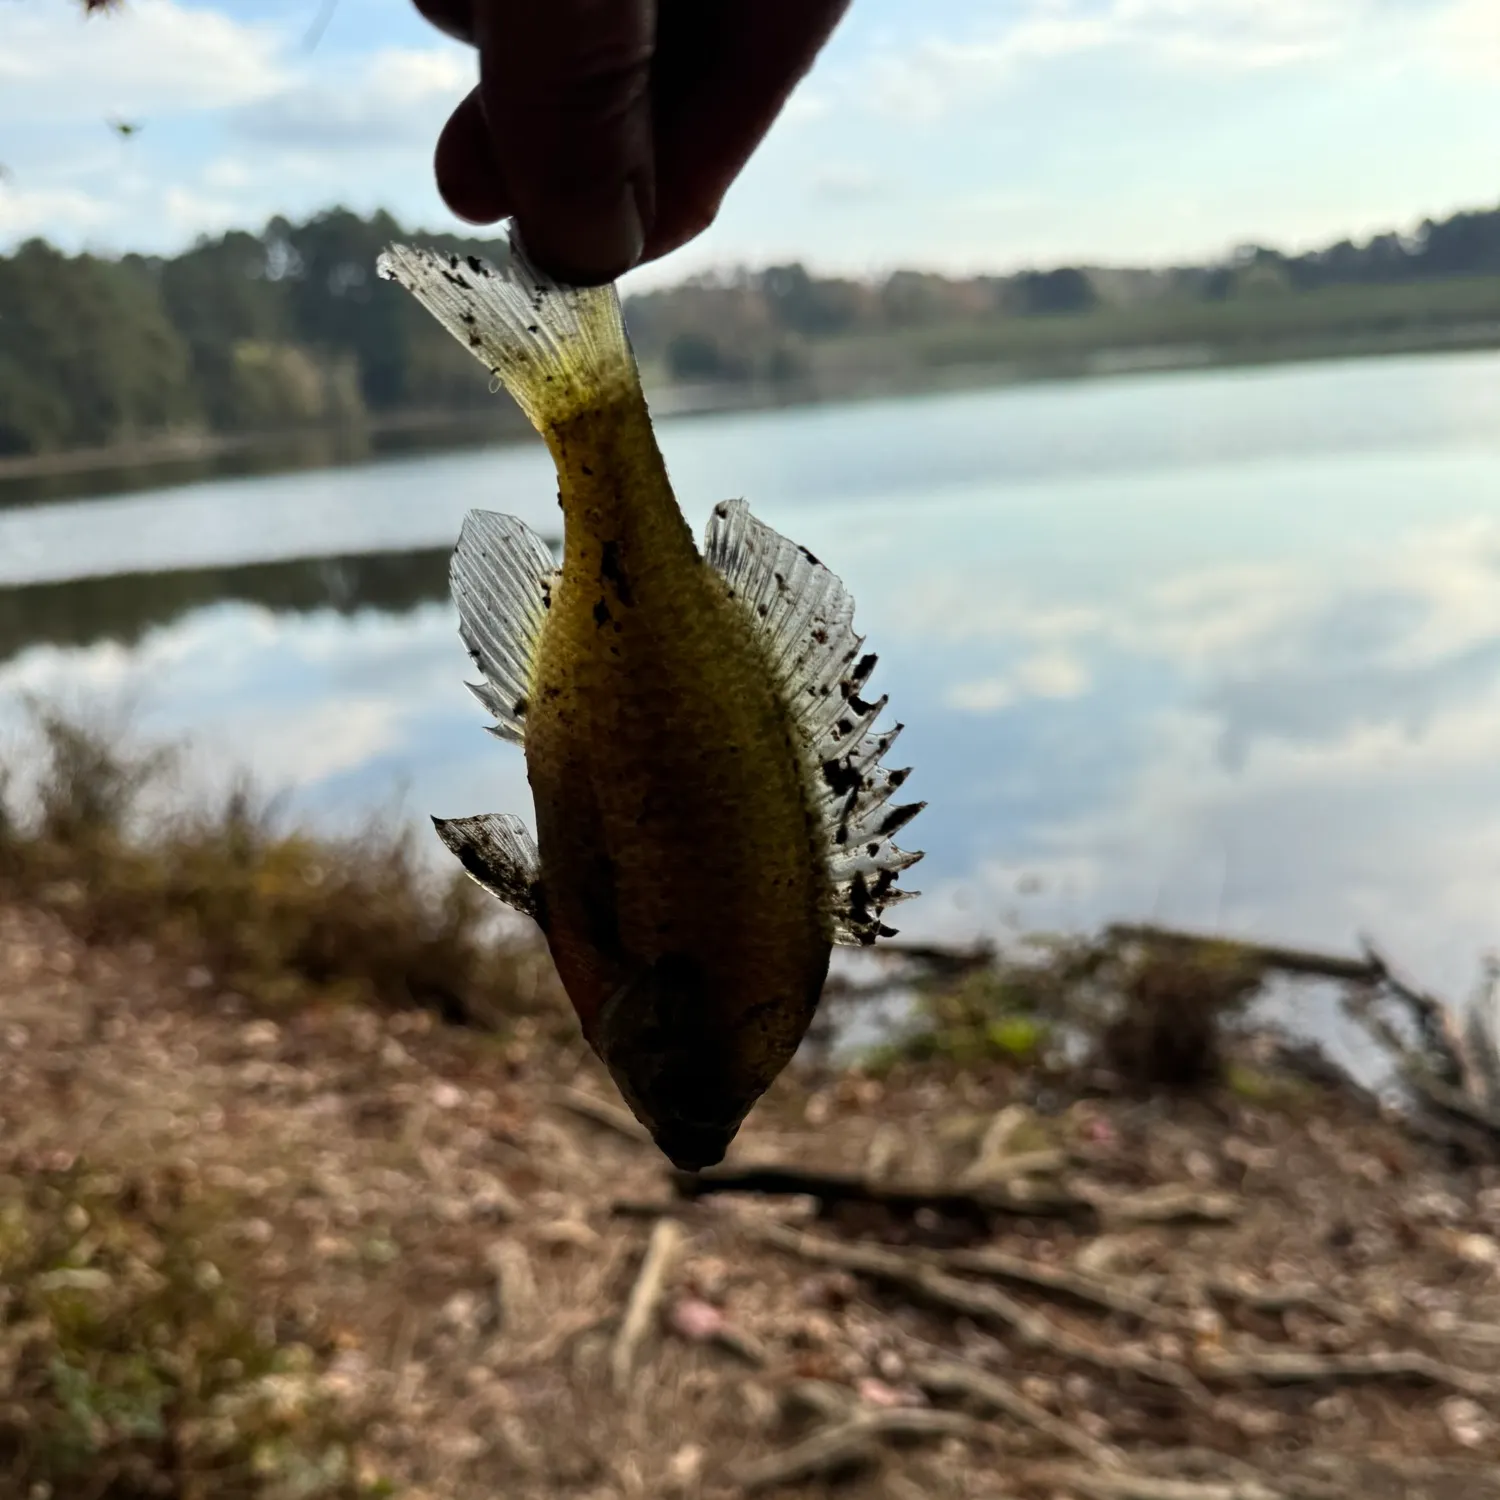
(1219, 649)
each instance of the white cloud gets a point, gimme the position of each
(1053, 674)
(397, 97)
(929, 80)
(195, 213)
(150, 59)
(296, 122)
(986, 695)
(1467, 37)
(1049, 674)
(25, 212)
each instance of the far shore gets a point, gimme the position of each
(428, 430)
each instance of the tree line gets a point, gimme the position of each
(290, 327)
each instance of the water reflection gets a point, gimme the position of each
(123, 609)
(1216, 650)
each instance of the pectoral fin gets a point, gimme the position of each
(500, 855)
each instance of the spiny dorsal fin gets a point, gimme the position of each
(557, 349)
(498, 854)
(806, 619)
(501, 577)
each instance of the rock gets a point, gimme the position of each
(695, 1320)
(1467, 1422)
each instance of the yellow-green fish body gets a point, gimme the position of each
(710, 810)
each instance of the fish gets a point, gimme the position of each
(712, 812)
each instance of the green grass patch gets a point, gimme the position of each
(130, 1364)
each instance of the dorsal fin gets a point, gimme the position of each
(501, 576)
(806, 619)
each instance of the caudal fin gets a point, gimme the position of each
(557, 349)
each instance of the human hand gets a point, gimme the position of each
(611, 129)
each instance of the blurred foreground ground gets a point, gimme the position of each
(360, 1251)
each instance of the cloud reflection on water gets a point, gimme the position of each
(1224, 683)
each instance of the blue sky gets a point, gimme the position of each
(956, 134)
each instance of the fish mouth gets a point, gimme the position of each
(690, 1146)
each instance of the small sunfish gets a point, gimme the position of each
(711, 812)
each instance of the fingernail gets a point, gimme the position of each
(588, 245)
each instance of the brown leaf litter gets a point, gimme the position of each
(934, 1283)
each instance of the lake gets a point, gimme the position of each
(1219, 649)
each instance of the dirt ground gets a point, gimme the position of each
(986, 1286)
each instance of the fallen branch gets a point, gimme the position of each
(1170, 1204)
(1451, 1101)
(985, 1304)
(855, 1441)
(940, 959)
(952, 1378)
(1091, 1291)
(1436, 1024)
(1122, 1484)
(1447, 1076)
(982, 1201)
(1272, 1299)
(940, 963)
(1296, 1367)
(1447, 1112)
(645, 1299)
(1299, 961)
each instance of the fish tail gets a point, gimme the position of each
(559, 350)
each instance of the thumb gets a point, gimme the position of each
(565, 89)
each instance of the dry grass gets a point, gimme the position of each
(277, 915)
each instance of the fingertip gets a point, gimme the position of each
(468, 172)
(588, 242)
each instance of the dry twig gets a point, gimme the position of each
(1272, 1299)
(1168, 1204)
(985, 1304)
(601, 1112)
(515, 1289)
(1299, 1367)
(1092, 1291)
(853, 1442)
(1122, 1484)
(954, 1378)
(645, 1299)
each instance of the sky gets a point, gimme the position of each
(958, 135)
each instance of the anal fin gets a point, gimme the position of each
(499, 854)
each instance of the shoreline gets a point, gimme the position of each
(484, 427)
